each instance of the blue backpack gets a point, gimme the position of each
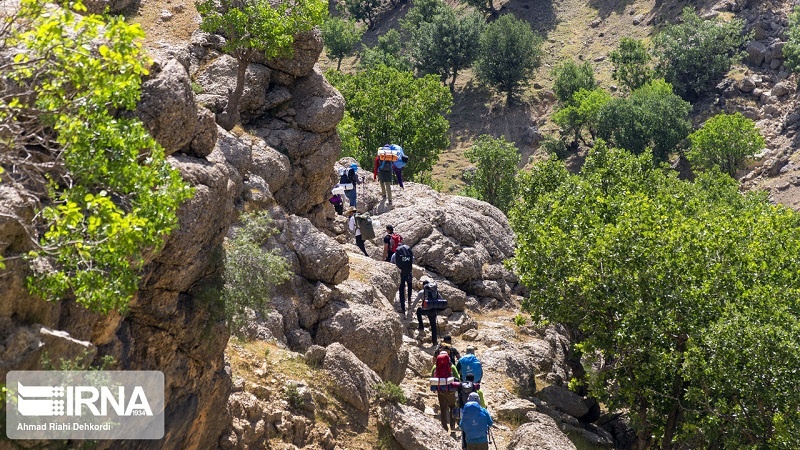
(469, 363)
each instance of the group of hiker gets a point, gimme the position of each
(457, 382)
(456, 379)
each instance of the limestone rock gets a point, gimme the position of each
(354, 382)
(320, 258)
(205, 134)
(320, 107)
(564, 400)
(541, 433)
(167, 107)
(306, 50)
(218, 80)
(755, 53)
(413, 430)
(515, 409)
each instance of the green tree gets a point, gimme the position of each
(696, 53)
(684, 295)
(423, 11)
(569, 78)
(484, 6)
(348, 133)
(631, 62)
(107, 193)
(388, 52)
(363, 10)
(253, 26)
(651, 117)
(340, 37)
(389, 105)
(582, 112)
(509, 53)
(725, 141)
(447, 44)
(494, 180)
(251, 271)
(791, 50)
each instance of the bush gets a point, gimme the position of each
(570, 78)
(340, 37)
(695, 54)
(497, 163)
(791, 51)
(250, 271)
(725, 141)
(390, 392)
(388, 52)
(631, 64)
(582, 111)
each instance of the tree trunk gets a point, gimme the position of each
(453, 83)
(678, 387)
(339, 64)
(231, 117)
(509, 97)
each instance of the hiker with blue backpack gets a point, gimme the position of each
(348, 180)
(384, 168)
(475, 423)
(470, 364)
(397, 166)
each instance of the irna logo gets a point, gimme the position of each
(80, 400)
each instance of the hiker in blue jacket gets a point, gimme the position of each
(475, 423)
(470, 363)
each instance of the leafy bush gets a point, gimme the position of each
(569, 78)
(340, 37)
(631, 63)
(110, 195)
(363, 10)
(388, 52)
(497, 163)
(509, 53)
(250, 271)
(651, 117)
(390, 392)
(791, 50)
(725, 141)
(582, 111)
(520, 320)
(391, 106)
(695, 54)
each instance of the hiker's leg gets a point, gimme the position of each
(389, 191)
(481, 446)
(399, 174)
(360, 244)
(405, 280)
(451, 404)
(351, 195)
(432, 320)
(419, 319)
(443, 408)
(383, 188)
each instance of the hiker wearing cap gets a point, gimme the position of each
(443, 370)
(470, 363)
(351, 223)
(430, 312)
(465, 388)
(475, 423)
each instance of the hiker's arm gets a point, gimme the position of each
(375, 170)
(385, 251)
(416, 301)
(455, 371)
(483, 402)
(393, 260)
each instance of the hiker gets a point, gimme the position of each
(397, 166)
(351, 223)
(391, 241)
(475, 422)
(383, 169)
(348, 179)
(403, 258)
(447, 397)
(336, 201)
(447, 344)
(467, 387)
(426, 309)
(470, 363)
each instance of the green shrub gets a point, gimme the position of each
(390, 392)
(494, 180)
(725, 141)
(631, 63)
(520, 320)
(569, 78)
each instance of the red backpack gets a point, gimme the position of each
(394, 242)
(443, 369)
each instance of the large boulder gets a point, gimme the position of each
(373, 335)
(351, 380)
(305, 53)
(167, 106)
(564, 400)
(218, 79)
(318, 256)
(413, 430)
(541, 433)
(319, 107)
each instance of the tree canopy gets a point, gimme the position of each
(683, 296)
(391, 106)
(340, 37)
(388, 52)
(496, 164)
(725, 141)
(569, 78)
(631, 62)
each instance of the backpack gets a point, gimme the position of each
(394, 242)
(385, 166)
(470, 364)
(432, 299)
(364, 223)
(345, 180)
(466, 388)
(443, 368)
(403, 258)
(388, 154)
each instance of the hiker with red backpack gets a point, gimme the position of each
(403, 258)
(444, 370)
(391, 241)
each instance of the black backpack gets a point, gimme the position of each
(466, 388)
(403, 258)
(385, 166)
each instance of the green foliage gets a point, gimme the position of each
(631, 62)
(582, 111)
(363, 10)
(112, 196)
(389, 105)
(791, 50)
(688, 290)
(340, 37)
(250, 270)
(422, 12)
(520, 320)
(293, 395)
(483, 6)
(388, 52)
(651, 117)
(80, 362)
(494, 180)
(569, 78)
(446, 44)
(695, 54)
(725, 141)
(509, 53)
(390, 392)
(252, 26)
(348, 133)
(555, 146)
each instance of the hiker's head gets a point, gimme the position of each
(424, 281)
(473, 397)
(448, 339)
(389, 229)
(470, 349)
(350, 211)
(470, 377)
(354, 166)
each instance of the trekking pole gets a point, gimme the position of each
(491, 438)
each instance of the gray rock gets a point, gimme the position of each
(205, 134)
(413, 430)
(218, 79)
(167, 107)
(564, 400)
(236, 151)
(541, 433)
(111, 6)
(306, 50)
(755, 53)
(320, 107)
(320, 258)
(271, 165)
(353, 381)
(515, 410)
(781, 89)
